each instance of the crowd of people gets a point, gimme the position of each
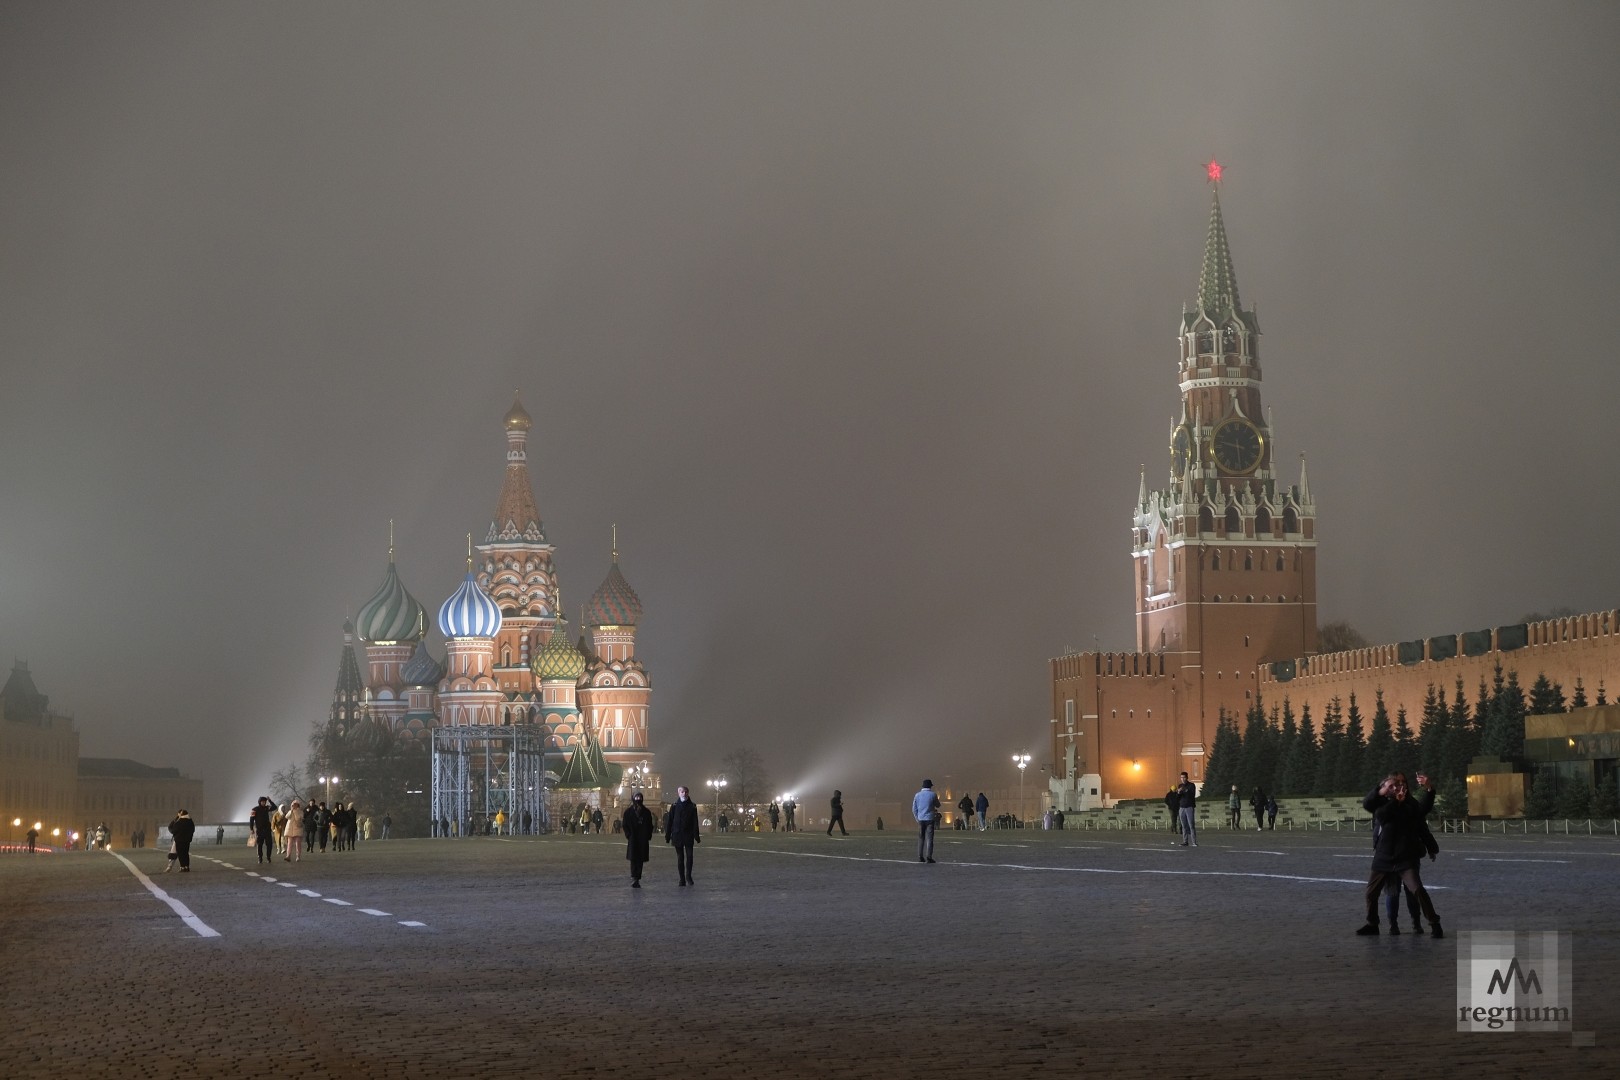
(287, 830)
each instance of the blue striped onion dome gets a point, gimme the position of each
(469, 612)
(392, 614)
(614, 603)
(422, 669)
(558, 658)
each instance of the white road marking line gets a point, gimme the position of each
(308, 892)
(371, 911)
(1560, 862)
(268, 878)
(252, 873)
(1089, 869)
(287, 884)
(202, 928)
(335, 900)
(411, 922)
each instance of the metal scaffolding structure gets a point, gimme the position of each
(479, 771)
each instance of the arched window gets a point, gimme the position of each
(1215, 561)
(1279, 560)
(1290, 521)
(1206, 520)
(1262, 522)
(1234, 526)
(1248, 560)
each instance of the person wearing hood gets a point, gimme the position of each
(638, 831)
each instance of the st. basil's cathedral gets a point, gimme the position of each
(510, 659)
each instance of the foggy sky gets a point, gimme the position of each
(857, 319)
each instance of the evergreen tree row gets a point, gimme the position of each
(1287, 756)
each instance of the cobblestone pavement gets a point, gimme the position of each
(1018, 954)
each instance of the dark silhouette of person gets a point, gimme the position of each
(681, 829)
(33, 838)
(264, 838)
(837, 814)
(638, 831)
(1172, 800)
(1398, 829)
(219, 836)
(182, 828)
(775, 813)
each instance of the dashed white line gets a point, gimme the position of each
(309, 892)
(340, 903)
(371, 911)
(287, 884)
(411, 922)
(1560, 862)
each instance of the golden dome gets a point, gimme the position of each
(517, 418)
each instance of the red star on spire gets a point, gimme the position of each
(1213, 171)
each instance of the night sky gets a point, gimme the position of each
(858, 320)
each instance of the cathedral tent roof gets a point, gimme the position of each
(587, 769)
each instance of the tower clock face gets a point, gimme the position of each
(1236, 445)
(1180, 450)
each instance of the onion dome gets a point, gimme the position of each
(392, 614)
(558, 658)
(469, 613)
(421, 669)
(517, 418)
(614, 603)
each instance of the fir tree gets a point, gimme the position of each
(1355, 749)
(1575, 800)
(1287, 780)
(1379, 759)
(1606, 802)
(1546, 697)
(1579, 700)
(1327, 762)
(1432, 730)
(1251, 767)
(1541, 802)
(1511, 712)
(1303, 757)
(1406, 755)
(1451, 799)
(1602, 698)
(1220, 772)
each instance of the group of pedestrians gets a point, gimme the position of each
(286, 831)
(680, 830)
(1261, 805)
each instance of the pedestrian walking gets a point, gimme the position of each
(964, 811)
(388, 824)
(219, 837)
(837, 814)
(925, 808)
(638, 831)
(775, 813)
(789, 808)
(981, 807)
(33, 838)
(1271, 813)
(278, 829)
(1172, 803)
(264, 837)
(1234, 809)
(181, 828)
(681, 829)
(1186, 801)
(295, 833)
(1398, 826)
(1257, 803)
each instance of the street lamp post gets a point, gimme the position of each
(718, 786)
(329, 781)
(1022, 761)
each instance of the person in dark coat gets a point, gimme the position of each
(181, 828)
(264, 837)
(837, 814)
(1398, 826)
(681, 829)
(638, 831)
(775, 813)
(1172, 802)
(1257, 803)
